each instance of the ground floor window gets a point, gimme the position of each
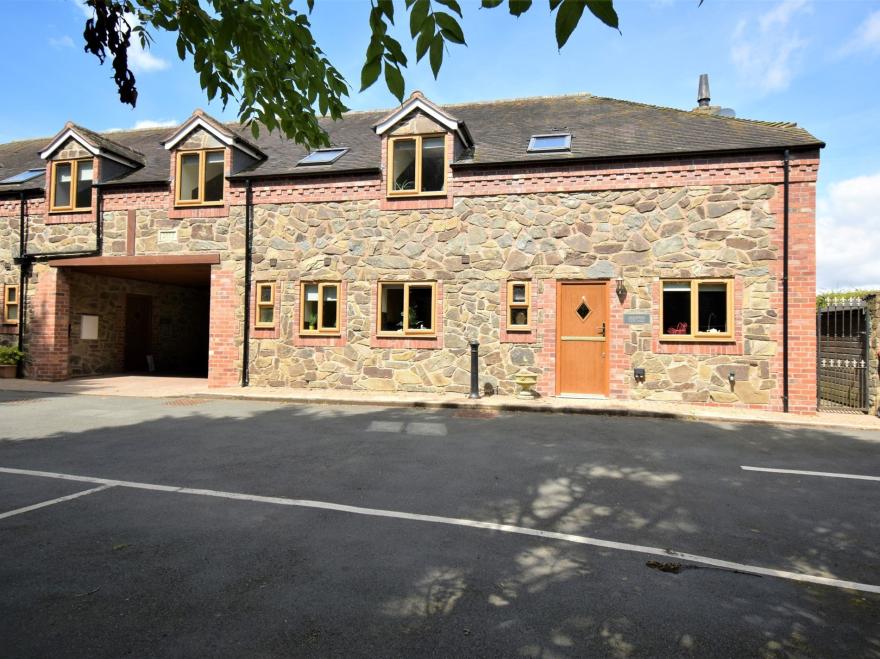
(406, 308)
(519, 315)
(265, 304)
(11, 305)
(319, 311)
(697, 309)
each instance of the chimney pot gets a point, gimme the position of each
(703, 91)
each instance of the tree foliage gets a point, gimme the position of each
(262, 55)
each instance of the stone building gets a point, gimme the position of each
(612, 248)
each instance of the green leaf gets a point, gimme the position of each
(490, 4)
(604, 11)
(436, 57)
(452, 4)
(417, 16)
(394, 80)
(567, 18)
(554, 4)
(387, 8)
(519, 7)
(450, 27)
(370, 73)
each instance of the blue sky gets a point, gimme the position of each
(810, 61)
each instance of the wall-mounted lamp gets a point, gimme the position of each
(731, 378)
(639, 375)
(621, 289)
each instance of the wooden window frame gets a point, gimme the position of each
(260, 304)
(203, 155)
(74, 177)
(406, 331)
(692, 335)
(417, 192)
(320, 329)
(6, 304)
(527, 305)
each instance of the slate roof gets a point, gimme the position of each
(601, 128)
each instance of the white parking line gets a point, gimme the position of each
(798, 472)
(489, 526)
(52, 502)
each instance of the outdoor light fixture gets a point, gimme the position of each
(621, 289)
(731, 377)
(639, 375)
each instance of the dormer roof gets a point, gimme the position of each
(96, 144)
(221, 132)
(418, 103)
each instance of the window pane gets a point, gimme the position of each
(84, 185)
(214, 176)
(519, 317)
(391, 308)
(265, 293)
(550, 142)
(310, 307)
(420, 307)
(267, 314)
(432, 163)
(62, 184)
(676, 308)
(712, 308)
(404, 174)
(189, 177)
(11, 294)
(328, 310)
(519, 293)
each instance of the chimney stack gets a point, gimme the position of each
(703, 91)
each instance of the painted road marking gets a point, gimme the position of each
(469, 523)
(52, 502)
(797, 472)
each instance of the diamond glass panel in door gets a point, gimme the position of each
(433, 163)
(189, 177)
(214, 176)
(391, 319)
(329, 306)
(84, 184)
(583, 310)
(676, 308)
(712, 308)
(310, 307)
(404, 160)
(420, 307)
(61, 196)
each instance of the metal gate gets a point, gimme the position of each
(842, 351)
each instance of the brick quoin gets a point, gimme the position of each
(48, 341)
(224, 358)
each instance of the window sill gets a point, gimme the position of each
(264, 327)
(405, 335)
(319, 335)
(183, 205)
(70, 211)
(416, 195)
(697, 339)
(519, 330)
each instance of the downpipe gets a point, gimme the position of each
(248, 248)
(786, 158)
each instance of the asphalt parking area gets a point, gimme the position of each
(169, 572)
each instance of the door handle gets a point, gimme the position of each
(602, 330)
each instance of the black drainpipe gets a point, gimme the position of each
(785, 183)
(248, 238)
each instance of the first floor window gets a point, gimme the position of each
(406, 308)
(320, 307)
(417, 165)
(265, 304)
(71, 185)
(11, 305)
(697, 308)
(518, 307)
(200, 177)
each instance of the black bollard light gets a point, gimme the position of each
(475, 367)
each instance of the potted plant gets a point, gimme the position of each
(9, 358)
(312, 320)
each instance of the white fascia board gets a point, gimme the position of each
(61, 139)
(191, 125)
(417, 104)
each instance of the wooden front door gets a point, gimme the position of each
(138, 331)
(581, 338)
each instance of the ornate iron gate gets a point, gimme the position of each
(842, 351)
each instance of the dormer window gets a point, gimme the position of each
(71, 187)
(200, 177)
(550, 142)
(417, 165)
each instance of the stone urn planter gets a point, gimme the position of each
(7, 370)
(525, 381)
(9, 358)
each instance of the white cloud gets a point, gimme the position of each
(61, 42)
(147, 123)
(140, 60)
(848, 234)
(866, 38)
(766, 51)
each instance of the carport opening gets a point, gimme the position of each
(144, 319)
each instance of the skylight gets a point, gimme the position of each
(323, 156)
(554, 142)
(26, 175)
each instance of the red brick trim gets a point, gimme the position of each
(266, 332)
(316, 340)
(131, 232)
(670, 347)
(48, 344)
(519, 336)
(224, 359)
(546, 329)
(409, 342)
